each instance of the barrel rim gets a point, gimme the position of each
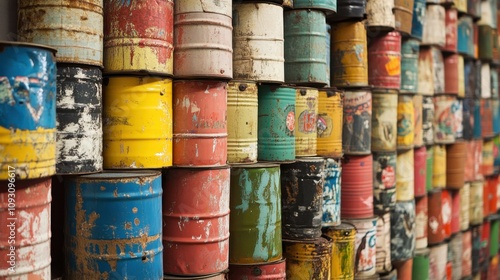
(318, 240)
(371, 219)
(27, 44)
(197, 168)
(393, 91)
(255, 3)
(305, 87)
(128, 174)
(422, 251)
(240, 81)
(344, 225)
(355, 88)
(210, 81)
(242, 265)
(201, 277)
(256, 165)
(308, 159)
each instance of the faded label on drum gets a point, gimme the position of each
(428, 120)
(384, 170)
(405, 122)
(457, 110)
(307, 118)
(325, 125)
(418, 133)
(356, 132)
(290, 120)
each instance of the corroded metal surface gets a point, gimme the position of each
(357, 187)
(343, 250)
(379, 15)
(403, 12)
(487, 166)
(434, 26)
(420, 171)
(331, 192)
(384, 180)
(306, 115)
(428, 120)
(403, 231)
(383, 246)
(384, 120)
(451, 18)
(468, 118)
(405, 183)
(438, 257)
(308, 260)
(464, 206)
(466, 253)
(356, 130)
(269, 270)
(455, 164)
(409, 65)
(425, 72)
(421, 222)
(439, 167)
(444, 121)
(384, 61)
(417, 26)
(465, 33)
(406, 119)
(476, 203)
(366, 241)
(486, 112)
(329, 126)
(418, 140)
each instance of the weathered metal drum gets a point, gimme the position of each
(113, 226)
(465, 33)
(349, 53)
(487, 166)
(476, 203)
(455, 249)
(476, 233)
(485, 80)
(451, 18)
(485, 238)
(343, 250)
(468, 118)
(429, 166)
(384, 180)
(425, 72)
(329, 125)
(269, 270)
(409, 65)
(8, 21)
(384, 120)
(403, 231)
(421, 222)
(478, 159)
(403, 12)
(469, 170)
(444, 120)
(474, 8)
(379, 15)
(327, 6)
(196, 221)
(255, 207)
(139, 36)
(486, 112)
(492, 194)
(418, 138)
(331, 192)
(478, 69)
(494, 231)
(305, 48)
(470, 80)
(328, 53)
(79, 121)
(383, 246)
(485, 45)
(366, 241)
(420, 171)
(242, 116)
(308, 259)
(464, 206)
(446, 212)
(458, 128)
(434, 26)
(218, 276)
(455, 164)
(418, 18)
(435, 231)
(478, 122)
(137, 122)
(466, 253)
(25, 243)
(301, 198)
(428, 120)
(306, 114)
(406, 126)
(421, 264)
(404, 268)
(258, 42)
(461, 77)
(74, 28)
(455, 211)
(357, 118)
(439, 167)
(494, 82)
(349, 9)
(405, 176)
(451, 67)
(438, 70)
(276, 123)
(384, 61)
(438, 259)
(203, 50)
(357, 191)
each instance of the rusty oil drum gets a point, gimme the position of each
(195, 220)
(343, 250)
(27, 110)
(436, 229)
(465, 34)
(79, 120)
(301, 198)
(134, 248)
(74, 28)
(384, 61)
(255, 206)
(329, 124)
(403, 12)
(306, 114)
(203, 39)
(455, 248)
(403, 230)
(384, 120)
(439, 167)
(31, 227)
(451, 18)
(438, 257)
(428, 120)
(383, 249)
(308, 259)
(434, 26)
(139, 37)
(379, 15)
(420, 171)
(464, 193)
(421, 222)
(356, 130)
(451, 74)
(409, 65)
(418, 133)
(357, 187)
(331, 192)
(486, 112)
(384, 180)
(425, 72)
(366, 246)
(269, 270)
(417, 25)
(468, 118)
(455, 164)
(444, 120)
(405, 125)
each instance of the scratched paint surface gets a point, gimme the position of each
(403, 12)
(331, 192)
(403, 231)
(366, 246)
(306, 116)
(379, 15)
(27, 110)
(357, 126)
(406, 122)
(434, 26)
(409, 65)
(32, 230)
(328, 6)
(196, 221)
(384, 61)
(465, 33)
(271, 270)
(329, 124)
(405, 184)
(308, 260)
(384, 121)
(113, 227)
(437, 258)
(417, 24)
(255, 206)
(444, 120)
(384, 180)
(455, 255)
(343, 250)
(383, 244)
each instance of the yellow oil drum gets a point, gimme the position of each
(137, 122)
(242, 117)
(329, 128)
(306, 112)
(439, 167)
(343, 250)
(418, 138)
(308, 259)
(406, 125)
(405, 176)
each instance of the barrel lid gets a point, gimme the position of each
(26, 44)
(319, 240)
(343, 226)
(493, 217)
(256, 264)
(211, 276)
(385, 91)
(309, 159)
(422, 252)
(120, 174)
(361, 220)
(256, 165)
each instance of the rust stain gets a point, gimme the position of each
(137, 221)
(128, 225)
(134, 210)
(115, 193)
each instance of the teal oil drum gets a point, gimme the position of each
(328, 6)
(328, 53)
(305, 48)
(113, 226)
(276, 123)
(465, 34)
(417, 24)
(409, 65)
(477, 129)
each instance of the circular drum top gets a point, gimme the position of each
(106, 175)
(256, 165)
(422, 252)
(23, 44)
(218, 276)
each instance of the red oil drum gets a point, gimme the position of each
(451, 73)
(455, 211)
(492, 183)
(435, 230)
(446, 208)
(357, 190)
(420, 161)
(486, 112)
(421, 220)
(270, 270)
(466, 253)
(384, 61)
(455, 164)
(450, 20)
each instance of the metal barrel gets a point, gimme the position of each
(356, 129)
(485, 238)
(466, 253)
(477, 148)
(438, 258)
(455, 211)
(486, 194)
(405, 125)
(478, 122)
(366, 240)
(429, 166)
(493, 194)
(357, 191)
(494, 226)
(242, 125)
(302, 198)
(418, 132)
(137, 122)
(349, 9)
(495, 104)
(255, 206)
(420, 171)
(331, 192)
(485, 80)
(461, 77)
(196, 221)
(428, 120)
(79, 119)
(475, 255)
(328, 40)
(203, 39)
(476, 203)
(276, 123)
(139, 37)
(435, 231)
(421, 221)
(450, 19)
(349, 53)
(26, 236)
(451, 66)
(468, 118)
(487, 166)
(27, 110)
(8, 20)
(444, 119)
(470, 80)
(218, 276)
(434, 26)
(478, 78)
(417, 24)
(383, 246)
(306, 115)
(305, 47)
(485, 36)
(329, 126)
(486, 112)
(455, 255)
(384, 120)
(327, 6)
(268, 270)
(393, 275)
(425, 72)
(421, 264)
(75, 29)
(446, 212)
(200, 126)
(258, 42)
(343, 250)
(409, 65)
(438, 70)
(495, 81)
(465, 33)
(308, 259)
(405, 183)
(380, 16)
(457, 109)
(384, 61)
(455, 165)
(403, 230)
(403, 12)
(464, 206)
(102, 243)
(384, 180)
